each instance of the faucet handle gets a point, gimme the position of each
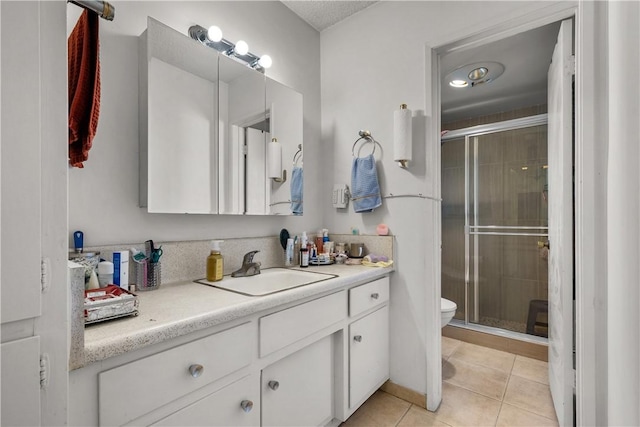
(248, 257)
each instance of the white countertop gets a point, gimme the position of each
(181, 308)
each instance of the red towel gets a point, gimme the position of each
(84, 87)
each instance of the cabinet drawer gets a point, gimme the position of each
(285, 327)
(222, 408)
(364, 297)
(163, 377)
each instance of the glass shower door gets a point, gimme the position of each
(506, 218)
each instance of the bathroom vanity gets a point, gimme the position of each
(198, 355)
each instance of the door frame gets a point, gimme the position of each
(586, 208)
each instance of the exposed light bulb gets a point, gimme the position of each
(242, 48)
(265, 61)
(214, 33)
(458, 83)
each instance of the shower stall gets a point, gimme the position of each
(494, 226)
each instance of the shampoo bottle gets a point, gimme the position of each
(215, 263)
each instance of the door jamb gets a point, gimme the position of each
(583, 14)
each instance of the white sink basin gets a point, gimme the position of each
(269, 281)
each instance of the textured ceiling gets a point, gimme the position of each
(321, 14)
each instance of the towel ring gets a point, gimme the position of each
(298, 155)
(366, 135)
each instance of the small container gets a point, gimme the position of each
(148, 275)
(296, 252)
(319, 242)
(356, 250)
(105, 273)
(288, 259)
(304, 257)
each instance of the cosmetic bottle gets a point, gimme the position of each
(288, 260)
(304, 257)
(319, 242)
(215, 262)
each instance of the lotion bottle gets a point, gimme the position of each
(215, 262)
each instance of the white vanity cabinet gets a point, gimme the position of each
(298, 390)
(303, 363)
(368, 340)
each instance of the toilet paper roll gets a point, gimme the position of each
(402, 135)
(274, 159)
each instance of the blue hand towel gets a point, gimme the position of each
(297, 181)
(365, 190)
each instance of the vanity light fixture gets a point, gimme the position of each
(239, 51)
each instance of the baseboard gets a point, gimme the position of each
(405, 393)
(510, 345)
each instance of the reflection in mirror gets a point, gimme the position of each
(206, 121)
(178, 110)
(244, 132)
(284, 107)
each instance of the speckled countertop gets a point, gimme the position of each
(181, 308)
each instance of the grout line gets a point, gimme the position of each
(404, 415)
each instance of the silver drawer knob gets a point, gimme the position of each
(273, 385)
(357, 338)
(246, 405)
(375, 295)
(196, 370)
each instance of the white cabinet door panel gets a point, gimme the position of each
(304, 394)
(368, 355)
(21, 382)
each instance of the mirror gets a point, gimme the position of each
(178, 82)
(206, 123)
(243, 135)
(284, 107)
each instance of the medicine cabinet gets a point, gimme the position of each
(205, 122)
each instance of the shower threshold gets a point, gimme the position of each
(534, 339)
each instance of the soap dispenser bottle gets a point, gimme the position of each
(215, 263)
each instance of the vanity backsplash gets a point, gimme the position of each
(186, 260)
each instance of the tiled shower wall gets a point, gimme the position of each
(511, 192)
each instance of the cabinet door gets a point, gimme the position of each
(369, 355)
(237, 404)
(298, 390)
(21, 382)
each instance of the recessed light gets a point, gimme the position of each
(473, 75)
(478, 73)
(458, 83)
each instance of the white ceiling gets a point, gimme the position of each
(526, 58)
(321, 14)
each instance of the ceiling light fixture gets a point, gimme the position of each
(478, 73)
(458, 83)
(475, 74)
(239, 51)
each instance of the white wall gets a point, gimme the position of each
(623, 206)
(371, 63)
(103, 197)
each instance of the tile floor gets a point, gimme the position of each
(481, 387)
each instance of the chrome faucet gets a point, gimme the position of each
(249, 268)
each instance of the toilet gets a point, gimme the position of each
(447, 311)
